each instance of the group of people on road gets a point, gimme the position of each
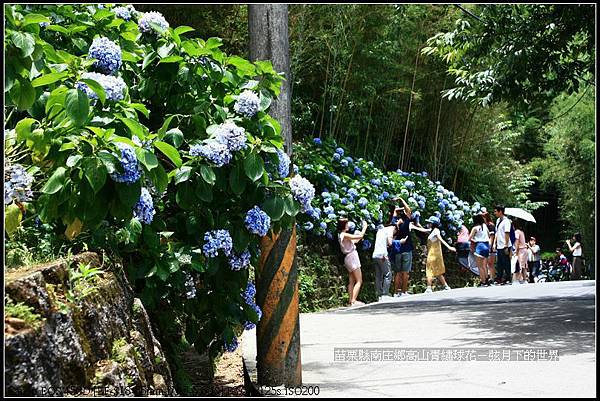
(492, 245)
(393, 252)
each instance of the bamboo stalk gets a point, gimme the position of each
(401, 164)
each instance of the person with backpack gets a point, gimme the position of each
(480, 236)
(502, 245)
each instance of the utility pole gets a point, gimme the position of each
(278, 332)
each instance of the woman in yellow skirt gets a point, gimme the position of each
(435, 260)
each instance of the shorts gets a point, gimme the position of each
(402, 262)
(482, 249)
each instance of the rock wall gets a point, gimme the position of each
(96, 342)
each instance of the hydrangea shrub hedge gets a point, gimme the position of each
(124, 133)
(356, 189)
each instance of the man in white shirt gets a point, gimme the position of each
(383, 274)
(502, 245)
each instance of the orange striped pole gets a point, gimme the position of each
(278, 332)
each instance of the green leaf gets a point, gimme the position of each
(127, 56)
(129, 194)
(109, 160)
(34, 19)
(182, 174)
(237, 180)
(147, 158)
(183, 29)
(132, 37)
(24, 41)
(12, 218)
(254, 166)
(170, 59)
(208, 174)
(134, 226)
(57, 28)
(174, 136)
(141, 108)
(274, 207)
(97, 88)
(55, 182)
(95, 172)
(165, 126)
(213, 43)
(135, 127)
(22, 94)
(242, 65)
(170, 152)
(149, 58)
(159, 178)
(185, 196)
(73, 160)
(265, 102)
(49, 78)
(204, 191)
(291, 206)
(23, 129)
(77, 105)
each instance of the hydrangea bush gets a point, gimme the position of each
(153, 146)
(357, 190)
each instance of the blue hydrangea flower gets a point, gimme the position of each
(351, 226)
(283, 169)
(231, 135)
(230, 347)
(352, 193)
(344, 201)
(213, 151)
(314, 213)
(302, 190)
(366, 244)
(421, 204)
(247, 104)
(323, 225)
(107, 54)
(155, 17)
(328, 210)
(190, 287)
(375, 181)
(239, 262)
(340, 151)
(131, 167)
(114, 87)
(344, 163)
(17, 184)
(409, 184)
(329, 235)
(144, 208)
(362, 202)
(317, 141)
(257, 221)
(332, 216)
(308, 226)
(357, 171)
(249, 292)
(336, 156)
(215, 240)
(122, 12)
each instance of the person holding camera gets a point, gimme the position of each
(577, 255)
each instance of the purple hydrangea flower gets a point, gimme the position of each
(247, 104)
(107, 54)
(213, 151)
(239, 262)
(122, 12)
(257, 221)
(114, 87)
(152, 17)
(230, 347)
(131, 168)
(144, 208)
(215, 240)
(17, 184)
(232, 136)
(302, 190)
(317, 141)
(283, 169)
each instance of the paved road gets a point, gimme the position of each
(553, 316)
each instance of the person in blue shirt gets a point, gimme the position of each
(402, 247)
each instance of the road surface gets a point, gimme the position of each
(558, 318)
